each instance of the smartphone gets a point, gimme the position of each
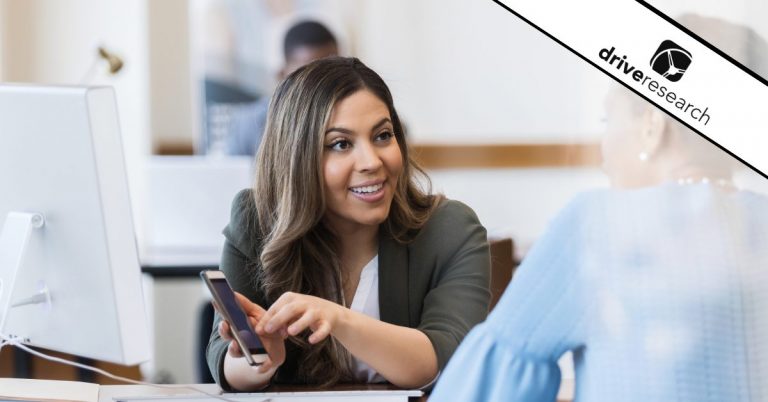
(249, 342)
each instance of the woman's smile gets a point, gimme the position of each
(372, 191)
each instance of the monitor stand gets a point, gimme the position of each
(13, 242)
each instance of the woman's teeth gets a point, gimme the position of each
(367, 189)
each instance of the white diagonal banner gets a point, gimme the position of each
(638, 46)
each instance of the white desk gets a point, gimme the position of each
(48, 389)
(107, 393)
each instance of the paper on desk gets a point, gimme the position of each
(48, 390)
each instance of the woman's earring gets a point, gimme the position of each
(643, 156)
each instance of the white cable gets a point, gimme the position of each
(7, 340)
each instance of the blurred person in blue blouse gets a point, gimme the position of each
(659, 285)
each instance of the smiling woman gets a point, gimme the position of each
(365, 276)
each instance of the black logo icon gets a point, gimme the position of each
(671, 60)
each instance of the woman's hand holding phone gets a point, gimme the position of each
(274, 343)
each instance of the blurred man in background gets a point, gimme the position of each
(304, 42)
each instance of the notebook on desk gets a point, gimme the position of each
(314, 396)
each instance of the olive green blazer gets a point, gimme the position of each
(438, 283)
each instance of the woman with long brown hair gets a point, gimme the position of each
(349, 270)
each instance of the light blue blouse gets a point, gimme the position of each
(661, 293)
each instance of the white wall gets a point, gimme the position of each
(55, 42)
(472, 72)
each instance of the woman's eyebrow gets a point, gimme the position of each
(340, 129)
(381, 123)
(347, 131)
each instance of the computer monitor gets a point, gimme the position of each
(70, 278)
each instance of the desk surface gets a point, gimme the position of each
(107, 392)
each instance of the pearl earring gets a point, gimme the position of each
(643, 156)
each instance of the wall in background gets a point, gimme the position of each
(470, 72)
(55, 42)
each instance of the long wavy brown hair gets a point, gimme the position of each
(299, 252)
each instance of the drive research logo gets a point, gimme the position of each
(671, 60)
(673, 67)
